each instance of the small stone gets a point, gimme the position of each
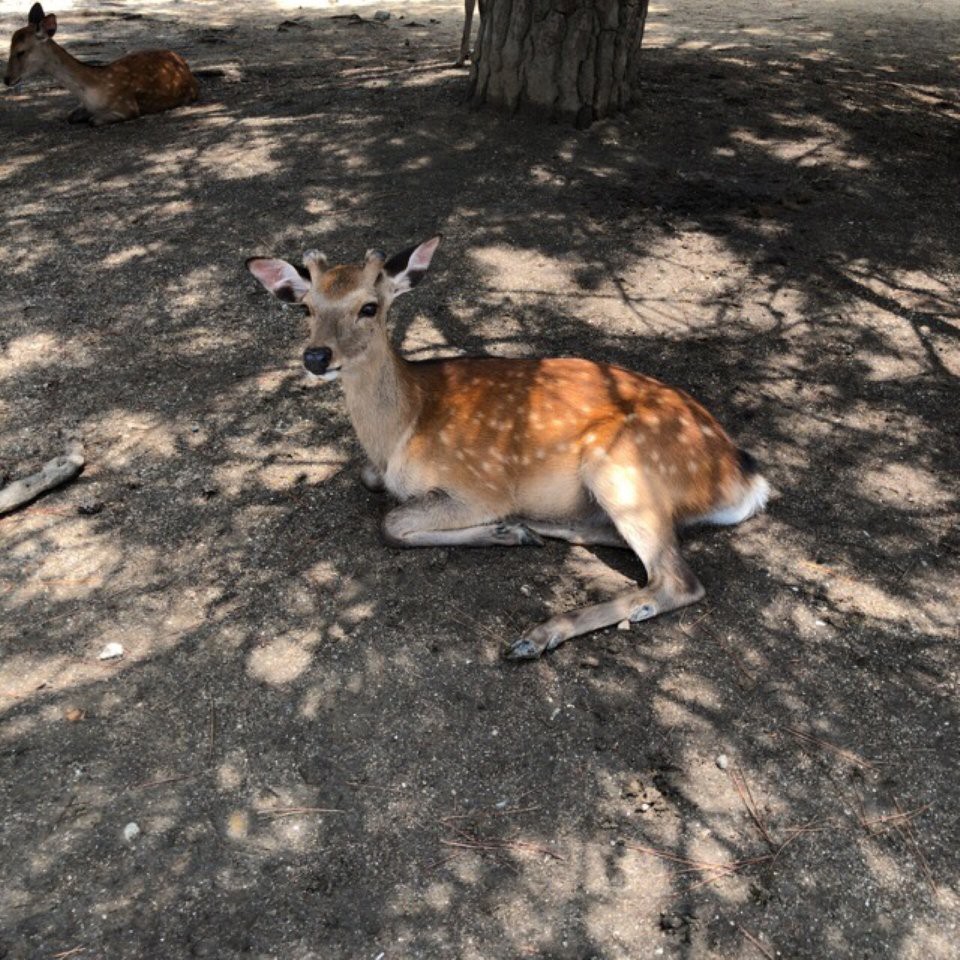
(526, 590)
(632, 788)
(131, 831)
(722, 761)
(644, 807)
(382, 15)
(623, 625)
(112, 651)
(670, 921)
(589, 663)
(88, 508)
(74, 714)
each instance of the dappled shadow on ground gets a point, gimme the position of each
(314, 733)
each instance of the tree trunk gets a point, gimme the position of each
(572, 60)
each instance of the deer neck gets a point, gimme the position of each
(382, 400)
(68, 70)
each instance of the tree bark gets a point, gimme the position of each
(572, 60)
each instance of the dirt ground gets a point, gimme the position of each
(315, 735)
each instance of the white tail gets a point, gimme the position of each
(468, 8)
(148, 81)
(491, 452)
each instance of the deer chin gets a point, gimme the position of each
(327, 377)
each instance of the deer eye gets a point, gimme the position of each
(368, 310)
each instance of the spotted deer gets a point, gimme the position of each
(468, 8)
(483, 452)
(147, 81)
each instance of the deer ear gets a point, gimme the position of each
(35, 16)
(48, 25)
(282, 279)
(406, 269)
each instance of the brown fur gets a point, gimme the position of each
(584, 451)
(148, 81)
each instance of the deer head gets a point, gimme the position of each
(347, 304)
(28, 46)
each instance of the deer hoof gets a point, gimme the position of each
(536, 641)
(523, 649)
(517, 535)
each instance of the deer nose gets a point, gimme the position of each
(317, 359)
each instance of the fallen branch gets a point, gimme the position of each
(55, 473)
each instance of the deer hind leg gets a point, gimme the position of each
(437, 520)
(671, 584)
(600, 532)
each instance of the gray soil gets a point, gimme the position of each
(315, 735)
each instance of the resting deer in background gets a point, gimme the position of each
(148, 81)
(489, 452)
(468, 7)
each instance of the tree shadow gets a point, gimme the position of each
(749, 234)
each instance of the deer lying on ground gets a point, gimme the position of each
(148, 81)
(489, 452)
(468, 7)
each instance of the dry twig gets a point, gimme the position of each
(755, 942)
(904, 827)
(715, 869)
(746, 797)
(848, 755)
(146, 784)
(296, 811)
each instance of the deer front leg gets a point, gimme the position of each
(372, 478)
(119, 110)
(79, 115)
(437, 520)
